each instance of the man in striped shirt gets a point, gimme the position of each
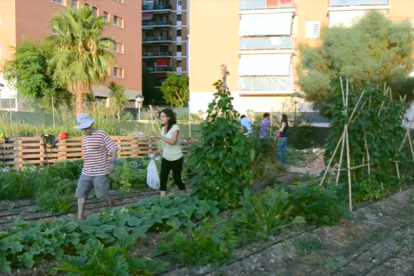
(96, 167)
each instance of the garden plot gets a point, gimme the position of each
(378, 240)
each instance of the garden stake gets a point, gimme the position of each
(368, 157)
(340, 140)
(349, 170)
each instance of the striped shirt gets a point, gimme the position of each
(96, 148)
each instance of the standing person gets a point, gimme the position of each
(245, 122)
(95, 173)
(282, 145)
(265, 126)
(172, 154)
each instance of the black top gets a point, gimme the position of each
(283, 134)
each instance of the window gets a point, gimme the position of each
(53, 31)
(118, 72)
(74, 3)
(179, 17)
(179, 3)
(60, 2)
(118, 21)
(179, 63)
(179, 48)
(87, 5)
(179, 33)
(313, 29)
(95, 11)
(8, 103)
(105, 16)
(119, 47)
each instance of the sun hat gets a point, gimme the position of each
(84, 121)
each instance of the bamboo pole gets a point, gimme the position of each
(332, 157)
(368, 156)
(349, 169)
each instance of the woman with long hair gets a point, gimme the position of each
(172, 154)
(282, 133)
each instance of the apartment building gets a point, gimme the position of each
(164, 44)
(30, 18)
(259, 39)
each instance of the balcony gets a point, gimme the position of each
(265, 4)
(336, 3)
(156, 39)
(155, 54)
(157, 8)
(159, 69)
(267, 43)
(149, 24)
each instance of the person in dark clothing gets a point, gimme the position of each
(282, 133)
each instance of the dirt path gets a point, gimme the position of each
(377, 241)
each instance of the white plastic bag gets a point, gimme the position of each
(153, 179)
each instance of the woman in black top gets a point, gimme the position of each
(282, 145)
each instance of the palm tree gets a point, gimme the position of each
(83, 56)
(117, 97)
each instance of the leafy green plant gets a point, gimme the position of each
(223, 158)
(317, 204)
(129, 174)
(57, 199)
(211, 241)
(261, 216)
(29, 244)
(96, 259)
(376, 146)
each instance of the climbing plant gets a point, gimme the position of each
(223, 158)
(380, 157)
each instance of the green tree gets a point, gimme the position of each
(83, 55)
(28, 71)
(372, 52)
(176, 90)
(117, 97)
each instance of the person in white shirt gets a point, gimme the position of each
(245, 122)
(172, 154)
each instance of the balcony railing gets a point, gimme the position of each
(357, 2)
(159, 69)
(154, 23)
(267, 43)
(156, 38)
(157, 54)
(265, 4)
(156, 8)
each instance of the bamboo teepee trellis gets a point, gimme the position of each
(344, 141)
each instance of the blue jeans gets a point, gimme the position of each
(281, 149)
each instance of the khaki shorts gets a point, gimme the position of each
(100, 183)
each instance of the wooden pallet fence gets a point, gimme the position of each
(19, 151)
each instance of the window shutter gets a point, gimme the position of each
(313, 29)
